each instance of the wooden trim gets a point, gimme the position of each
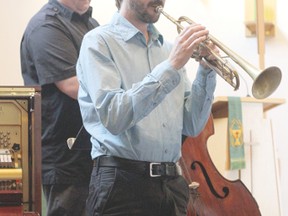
(220, 104)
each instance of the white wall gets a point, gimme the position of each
(224, 19)
(14, 17)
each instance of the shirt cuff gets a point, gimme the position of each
(205, 75)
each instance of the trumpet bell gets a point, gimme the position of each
(266, 82)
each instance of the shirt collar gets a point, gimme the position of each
(128, 31)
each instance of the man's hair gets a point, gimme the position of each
(118, 3)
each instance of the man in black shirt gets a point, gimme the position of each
(49, 52)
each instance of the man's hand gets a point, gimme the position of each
(210, 52)
(186, 43)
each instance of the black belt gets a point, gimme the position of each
(152, 169)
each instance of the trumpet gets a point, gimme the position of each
(264, 82)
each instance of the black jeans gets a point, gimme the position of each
(65, 200)
(117, 192)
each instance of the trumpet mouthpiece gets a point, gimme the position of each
(158, 9)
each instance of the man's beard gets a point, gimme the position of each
(142, 12)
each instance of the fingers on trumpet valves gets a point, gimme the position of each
(200, 51)
(208, 50)
(196, 54)
(196, 30)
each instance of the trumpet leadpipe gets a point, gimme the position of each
(159, 9)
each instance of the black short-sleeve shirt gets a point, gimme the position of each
(49, 51)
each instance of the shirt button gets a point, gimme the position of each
(166, 151)
(164, 125)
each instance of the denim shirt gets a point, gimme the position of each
(133, 102)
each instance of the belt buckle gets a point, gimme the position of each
(151, 171)
(178, 168)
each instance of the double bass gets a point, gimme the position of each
(210, 193)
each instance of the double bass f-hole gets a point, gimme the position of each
(208, 181)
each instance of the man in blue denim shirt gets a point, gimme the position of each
(136, 102)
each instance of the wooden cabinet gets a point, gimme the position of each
(20, 151)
